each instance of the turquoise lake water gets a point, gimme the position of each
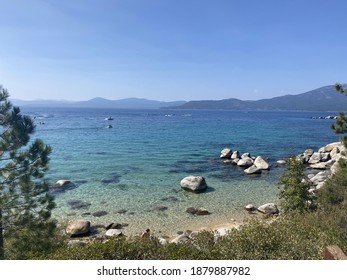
(132, 171)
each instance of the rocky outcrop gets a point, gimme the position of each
(325, 160)
(252, 165)
(196, 184)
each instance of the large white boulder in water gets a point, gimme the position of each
(195, 184)
(261, 163)
(225, 153)
(245, 162)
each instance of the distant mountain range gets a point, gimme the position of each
(321, 99)
(98, 102)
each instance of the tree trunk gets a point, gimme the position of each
(2, 250)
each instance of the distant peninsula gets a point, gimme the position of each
(322, 99)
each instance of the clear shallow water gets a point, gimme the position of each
(132, 171)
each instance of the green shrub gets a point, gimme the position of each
(294, 188)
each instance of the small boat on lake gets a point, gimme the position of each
(109, 119)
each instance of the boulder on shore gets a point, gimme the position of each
(268, 208)
(113, 232)
(196, 184)
(249, 207)
(77, 227)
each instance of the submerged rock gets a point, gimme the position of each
(78, 204)
(197, 211)
(99, 213)
(63, 185)
(113, 226)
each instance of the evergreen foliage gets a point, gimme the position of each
(25, 202)
(295, 188)
(341, 123)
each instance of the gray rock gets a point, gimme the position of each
(325, 157)
(197, 211)
(191, 210)
(320, 177)
(77, 227)
(202, 212)
(281, 161)
(308, 152)
(236, 160)
(334, 152)
(63, 185)
(113, 232)
(225, 153)
(182, 238)
(163, 241)
(268, 208)
(260, 163)
(315, 158)
(235, 155)
(246, 155)
(250, 207)
(245, 162)
(330, 147)
(194, 184)
(322, 165)
(113, 226)
(252, 170)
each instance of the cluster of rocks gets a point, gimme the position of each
(326, 117)
(80, 231)
(322, 163)
(252, 165)
(267, 209)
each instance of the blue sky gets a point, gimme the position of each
(170, 49)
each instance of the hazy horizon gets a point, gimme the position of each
(170, 50)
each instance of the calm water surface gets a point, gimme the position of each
(131, 173)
